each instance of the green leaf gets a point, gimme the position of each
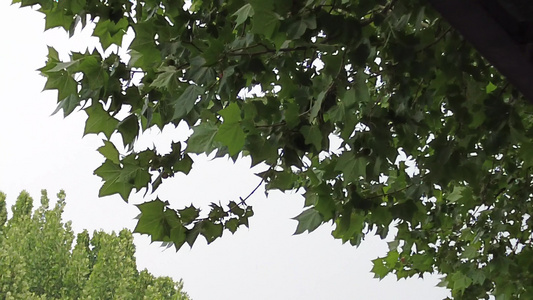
(349, 98)
(317, 106)
(129, 128)
(193, 233)
(68, 104)
(189, 214)
(471, 251)
(282, 181)
(490, 88)
(308, 220)
(183, 165)
(63, 82)
(232, 224)
(111, 173)
(352, 168)
(456, 194)
(151, 220)
(265, 22)
(212, 231)
(52, 54)
(325, 205)
(77, 5)
(312, 136)
(478, 277)
(178, 235)
(94, 72)
(230, 133)
(298, 28)
(460, 281)
(145, 53)
(57, 18)
(232, 136)
(110, 32)
(361, 88)
(201, 141)
(109, 151)
(134, 174)
(235, 209)
(379, 269)
(99, 120)
(114, 187)
(184, 104)
(61, 66)
(243, 13)
(231, 114)
(168, 79)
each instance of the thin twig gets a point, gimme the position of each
(395, 192)
(385, 8)
(268, 50)
(243, 201)
(192, 44)
(438, 39)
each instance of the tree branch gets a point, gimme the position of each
(385, 8)
(268, 50)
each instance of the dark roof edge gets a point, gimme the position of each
(490, 39)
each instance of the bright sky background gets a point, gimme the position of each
(39, 151)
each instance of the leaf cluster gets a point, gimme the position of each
(433, 140)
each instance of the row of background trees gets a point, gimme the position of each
(40, 258)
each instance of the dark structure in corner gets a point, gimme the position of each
(502, 31)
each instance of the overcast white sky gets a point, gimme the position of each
(39, 151)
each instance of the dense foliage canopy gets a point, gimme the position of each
(282, 82)
(37, 260)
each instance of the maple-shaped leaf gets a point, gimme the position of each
(460, 281)
(94, 72)
(99, 120)
(129, 128)
(109, 151)
(68, 104)
(177, 233)
(201, 141)
(231, 113)
(193, 233)
(111, 174)
(232, 136)
(188, 214)
(308, 220)
(244, 13)
(211, 231)
(230, 133)
(183, 165)
(178, 236)
(232, 224)
(134, 174)
(185, 102)
(167, 79)
(114, 187)
(352, 168)
(151, 219)
(63, 82)
(324, 204)
(312, 136)
(265, 22)
(110, 32)
(379, 269)
(56, 17)
(457, 194)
